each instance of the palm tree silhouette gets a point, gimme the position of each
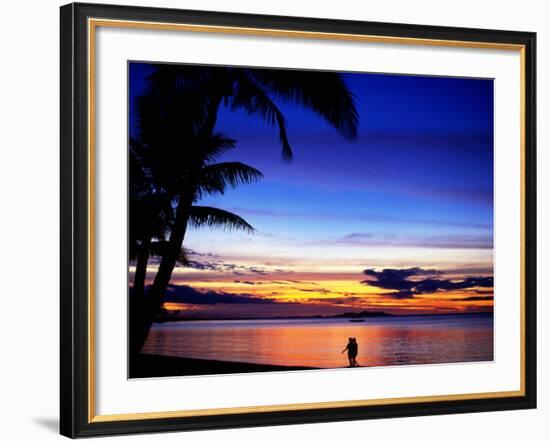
(150, 214)
(190, 98)
(156, 187)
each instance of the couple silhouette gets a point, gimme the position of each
(352, 348)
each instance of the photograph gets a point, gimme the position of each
(287, 219)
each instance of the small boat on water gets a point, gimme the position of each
(356, 320)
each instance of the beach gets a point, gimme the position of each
(147, 366)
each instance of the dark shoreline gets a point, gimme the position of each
(146, 366)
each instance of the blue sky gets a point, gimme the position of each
(415, 188)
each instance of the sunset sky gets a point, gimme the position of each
(400, 220)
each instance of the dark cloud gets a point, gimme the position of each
(484, 292)
(302, 282)
(317, 290)
(473, 298)
(410, 282)
(259, 271)
(333, 301)
(191, 252)
(187, 294)
(258, 282)
(397, 279)
(218, 265)
(202, 265)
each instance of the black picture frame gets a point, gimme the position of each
(76, 418)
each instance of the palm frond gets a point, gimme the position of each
(326, 93)
(163, 119)
(201, 216)
(216, 145)
(172, 78)
(160, 248)
(216, 178)
(255, 101)
(183, 256)
(136, 170)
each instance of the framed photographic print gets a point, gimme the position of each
(274, 220)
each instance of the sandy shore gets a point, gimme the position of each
(162, 366)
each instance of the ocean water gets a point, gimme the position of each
(383, 341)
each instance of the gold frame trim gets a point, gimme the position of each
(92, 25)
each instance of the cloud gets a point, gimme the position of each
(473, 298)
(260, 271)
(318, 290)
(456, 241)
(235, 269)
(191, 252)
(396, 279)
(301, 282)
(481, 196)
(469, 270)
(187, 294)
(333, 301)
(410, 282)
(457, 140)
(368, 217)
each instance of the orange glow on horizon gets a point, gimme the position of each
(341, 295)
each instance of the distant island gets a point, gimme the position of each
(166, 316)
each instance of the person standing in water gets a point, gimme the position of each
(354, 351)
(352, 348)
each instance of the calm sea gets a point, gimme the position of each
(318, 342)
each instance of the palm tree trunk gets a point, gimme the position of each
(155, 296)
(137, 296)
(143, 314)
(141, 268)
